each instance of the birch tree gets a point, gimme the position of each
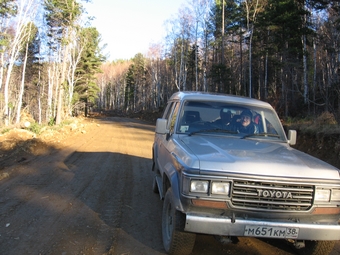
(180, 37)
(252, 9)
(78, 45)
(29, 34)
(8, 10)
(25, 13)
(201, 11)
(154, 64)
(61, 16)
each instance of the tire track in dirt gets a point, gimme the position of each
(137, 234)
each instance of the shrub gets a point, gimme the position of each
(5, 130)
(35, 128)
(51, 122)
(326, 118)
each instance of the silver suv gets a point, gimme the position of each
(224, 166)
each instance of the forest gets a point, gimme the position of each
(285, 52)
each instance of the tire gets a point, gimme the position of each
(175, 240)
(155, 186)
(317, 248)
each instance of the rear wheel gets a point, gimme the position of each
(175, 240)
(317, 248)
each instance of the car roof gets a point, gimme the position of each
(206, 96)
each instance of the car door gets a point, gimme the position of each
(165, 141)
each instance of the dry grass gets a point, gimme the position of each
(324, 123)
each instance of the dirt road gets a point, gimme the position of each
(94, 196)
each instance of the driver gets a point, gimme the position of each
(225, 118)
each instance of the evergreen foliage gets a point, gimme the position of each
(8, 8)
(89, 65)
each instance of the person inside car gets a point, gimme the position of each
(246, 125)
(224, 121)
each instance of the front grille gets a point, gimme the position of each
(271, 196)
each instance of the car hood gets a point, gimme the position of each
(249, 156)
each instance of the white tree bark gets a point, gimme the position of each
(25, 13)
(76, 50)
(255, 7)
(22, 85)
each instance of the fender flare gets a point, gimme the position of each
(172, 175)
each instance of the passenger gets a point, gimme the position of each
(246, 125)
(224, 121)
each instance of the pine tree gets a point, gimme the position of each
(8, 8)
(86, 89)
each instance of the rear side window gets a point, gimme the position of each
(168, 110)
(173, 116)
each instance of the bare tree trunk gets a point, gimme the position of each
(205, 87)
(241, 64)
(39, 103)
(74, 59)
(196, 60)
(266, 77)
(256, 6)
(305, 79)
(221, 89)
(51, 74)
(327, 84)
(181, 68)
(13, 56)
(3, 52)
(2, 66)
(21, 91)
(24, 11)
(60, 103)
(250, 62)
(266, 73)
(314, 74)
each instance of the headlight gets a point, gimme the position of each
(199, 186)
(335, 195)
(220, 188)
(322, 195)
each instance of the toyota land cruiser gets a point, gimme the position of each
(224, 166)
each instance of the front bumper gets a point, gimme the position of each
(224, 226)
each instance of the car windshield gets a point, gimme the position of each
(245, 121)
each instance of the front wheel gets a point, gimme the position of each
(155, 186)
(175, 240)
(317, 248)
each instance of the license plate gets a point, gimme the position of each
(274, 232)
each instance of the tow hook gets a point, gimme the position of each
(299, 244)
(227, 239)
(233, 218)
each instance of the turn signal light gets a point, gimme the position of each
(210, 204)
(326, 210)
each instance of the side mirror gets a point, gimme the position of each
(292, 137)
(161, 126)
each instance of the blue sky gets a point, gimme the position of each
(128, 27)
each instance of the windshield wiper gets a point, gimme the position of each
(217, 130)
(260, 134)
